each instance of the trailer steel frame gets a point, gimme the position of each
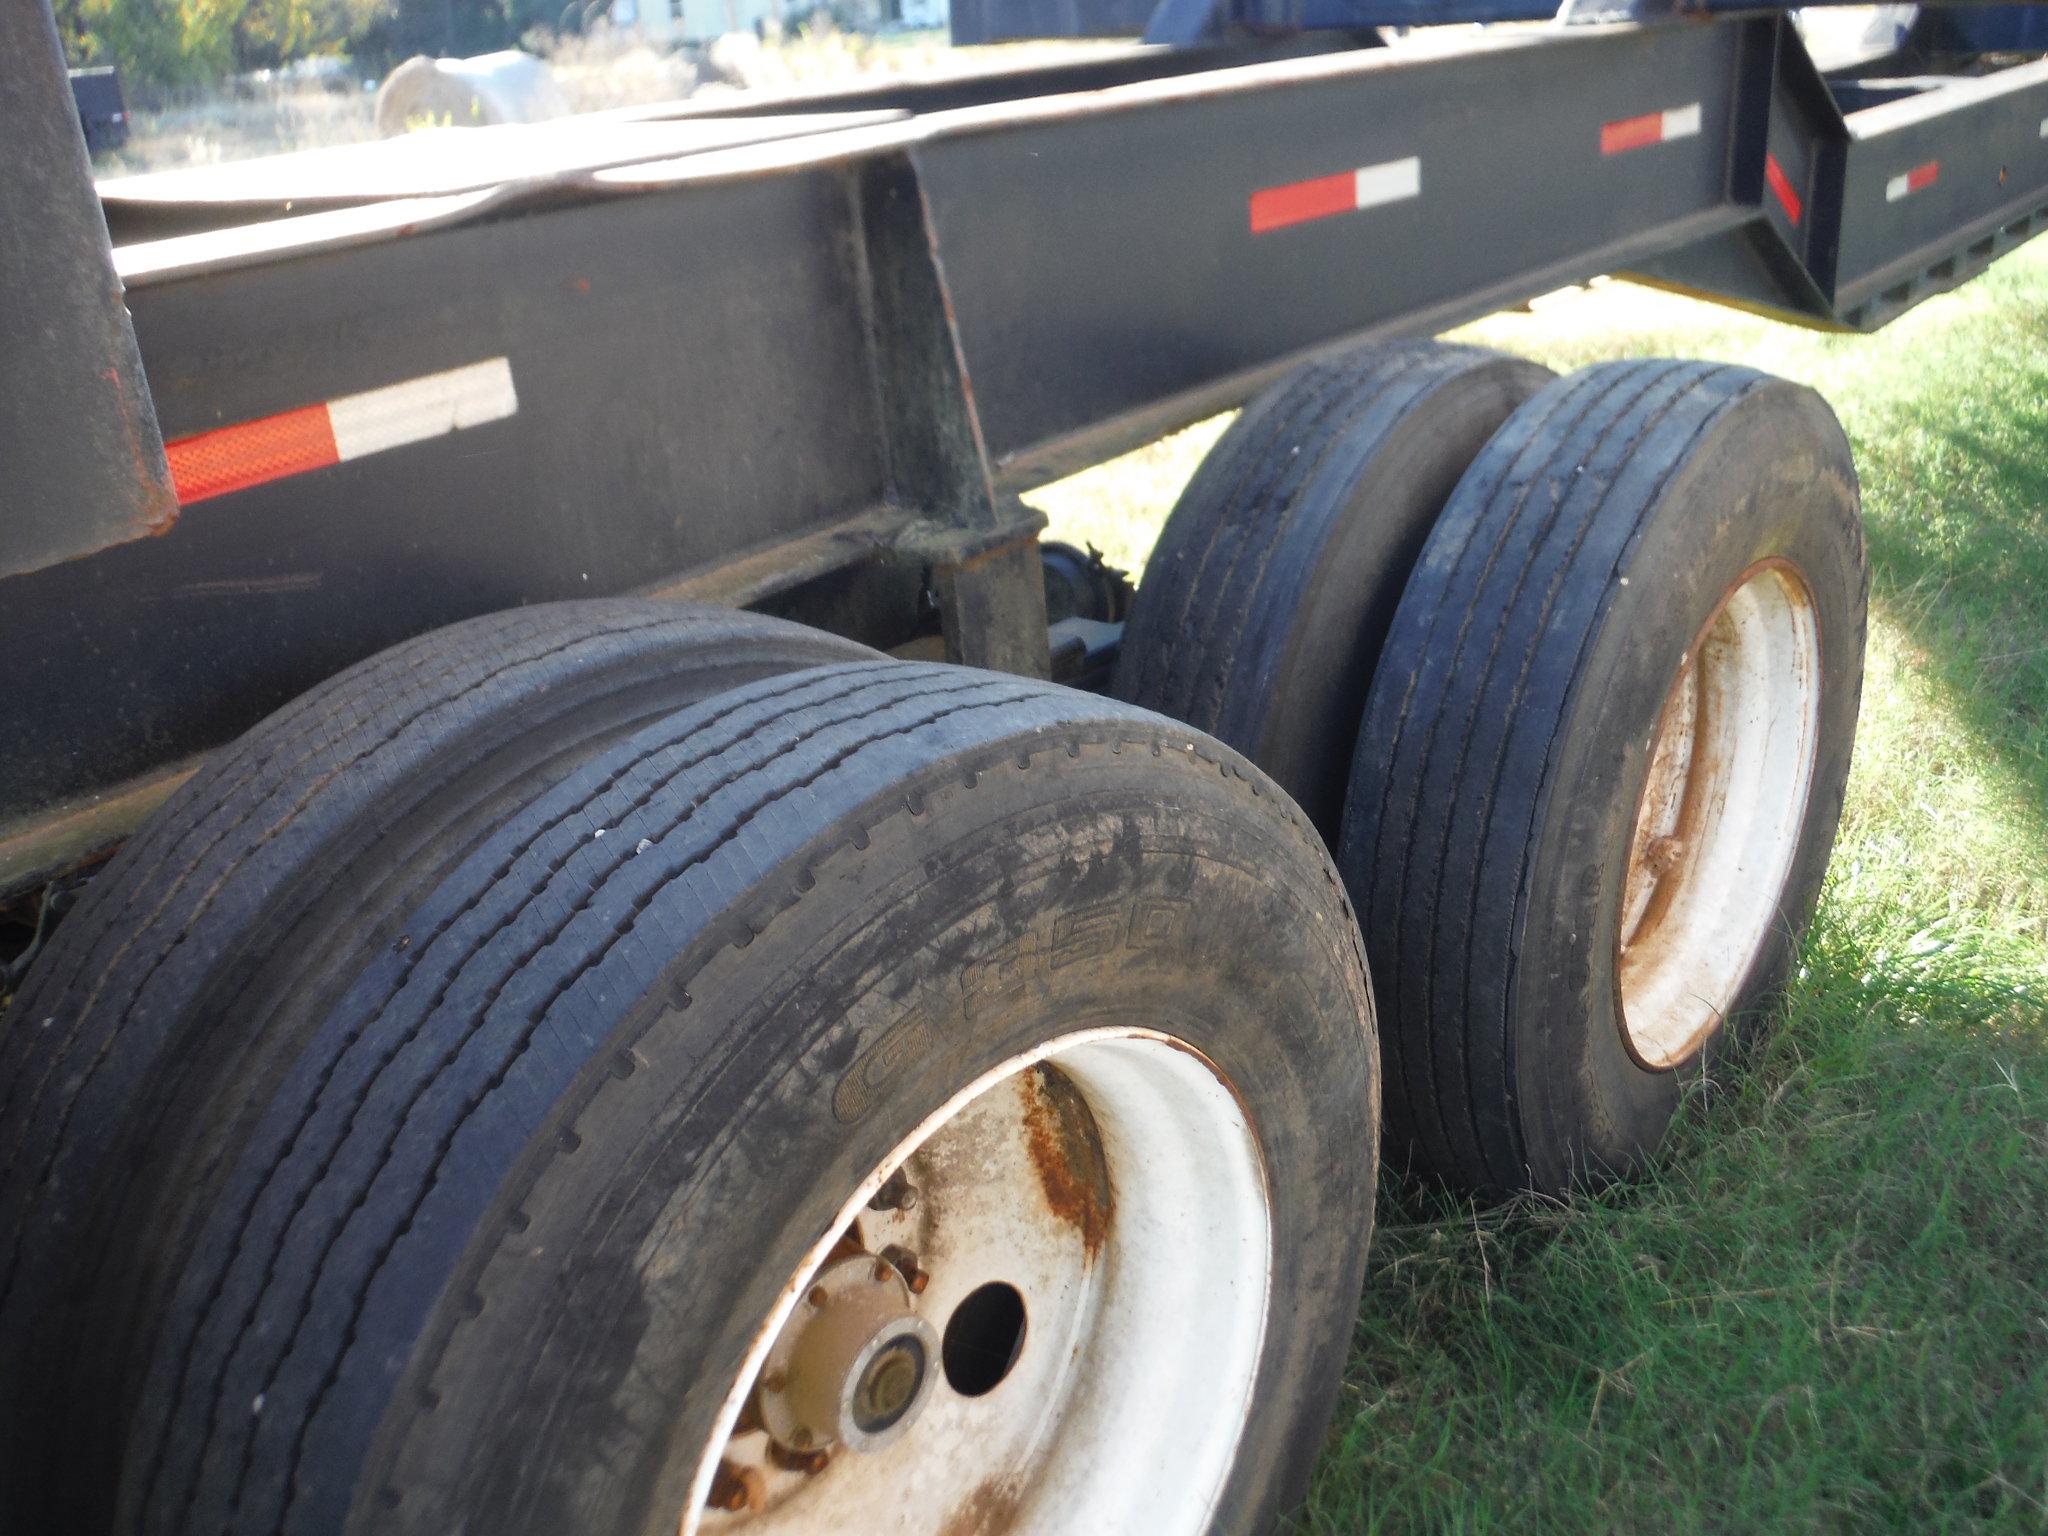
(803, 354)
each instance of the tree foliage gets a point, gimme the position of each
(166, 42)
(170, 43)
(453, 28)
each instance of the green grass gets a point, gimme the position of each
(1827, 1308)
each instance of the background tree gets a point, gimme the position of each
(161, 42)
(170, 43)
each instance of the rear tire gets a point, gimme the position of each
(1631, 530)
(511, 1221)
(1266, 601)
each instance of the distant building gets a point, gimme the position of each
(915, 15)
(699, 21)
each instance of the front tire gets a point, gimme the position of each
(510, 1233)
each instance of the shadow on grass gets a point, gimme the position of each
(1960, 563)
(1825, 1311)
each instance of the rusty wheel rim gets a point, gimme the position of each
(1043, 1312)
(1720, 815)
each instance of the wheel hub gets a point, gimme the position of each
(853, 1366)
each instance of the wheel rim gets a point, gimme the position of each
(1720, 815)
(1080, 1241)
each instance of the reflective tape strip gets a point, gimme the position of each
(1297, 202)
(1912, 181)
(1781, 186)
(315, 436)
(422, 408)
(1392, 182)
(1682, 122)
(1651, 128)
(235, 458)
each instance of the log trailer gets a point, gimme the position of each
(589, 955)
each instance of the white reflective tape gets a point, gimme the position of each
(1388, 182)
(1681, 122)
(422, 408)
(2044, 127)
(1897, 188)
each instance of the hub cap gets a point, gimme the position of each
(852, 1366)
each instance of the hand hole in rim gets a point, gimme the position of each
(1720, 815)
(983, 1338)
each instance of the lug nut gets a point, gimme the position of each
(734, 1488)
(810, 1463)
(896, 1194)
(906, 1265)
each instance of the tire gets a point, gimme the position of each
(1269, 594)
(508, 1227)
(1517, 738)
(173, 984)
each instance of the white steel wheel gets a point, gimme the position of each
(1721, 813)
(1601, 764)
(1043, 1311)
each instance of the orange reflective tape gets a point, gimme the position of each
(234, 458)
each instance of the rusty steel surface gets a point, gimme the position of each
(74, 833)
(749, 577)
(1065, 1148)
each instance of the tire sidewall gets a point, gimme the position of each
(932, 939)
(1771, 478)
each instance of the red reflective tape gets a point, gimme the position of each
(1300, 201)
(1631, 133)
(1781, 184)
(234, 458)
(1923, 175)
